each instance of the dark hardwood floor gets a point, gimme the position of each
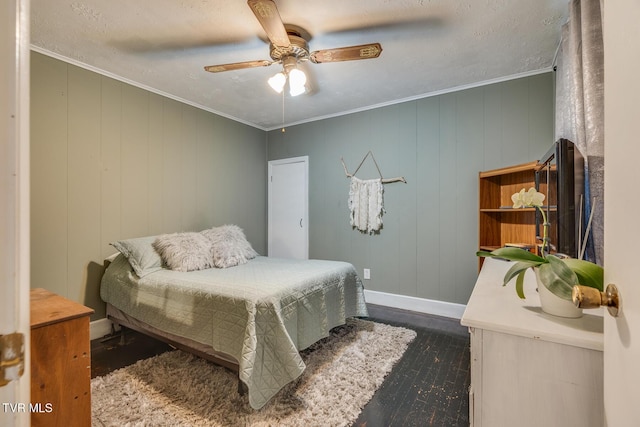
(427, 387)
(110, 353)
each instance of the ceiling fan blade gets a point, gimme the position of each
(237, 66)
(269, 17)
(349, 53)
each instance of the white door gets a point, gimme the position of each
(622, 210)
(14, 201)
(288, 208)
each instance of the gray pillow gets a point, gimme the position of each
(140, 253)
(230, 246)
(184, 251)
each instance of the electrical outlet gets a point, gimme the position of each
(367, 274)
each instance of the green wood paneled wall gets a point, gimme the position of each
(111, 161)
(439, 144)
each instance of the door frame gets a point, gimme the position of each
(14, 199)
(305, 216)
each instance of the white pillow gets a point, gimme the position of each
(230, 246)
(185, 251)
(141, 254)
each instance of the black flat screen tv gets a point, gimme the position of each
(560, 178)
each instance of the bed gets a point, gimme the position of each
(253, 317)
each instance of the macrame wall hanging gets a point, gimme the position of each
(366, 202)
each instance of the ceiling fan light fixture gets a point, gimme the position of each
(277, 82)
(288, 45)
(296, 90)
(297, 81)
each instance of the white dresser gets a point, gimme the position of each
(529, 368)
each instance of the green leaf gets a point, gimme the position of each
(517, 254)
(588, 273)
(484, 254)
(520, 284)
(516, 269)
(557, 277)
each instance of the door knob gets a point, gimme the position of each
(587, 297)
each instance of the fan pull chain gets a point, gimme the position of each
(282, 130)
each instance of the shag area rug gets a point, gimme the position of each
(178, 389)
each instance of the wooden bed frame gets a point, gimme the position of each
(203, 351)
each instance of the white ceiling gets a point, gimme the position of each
(429, 46)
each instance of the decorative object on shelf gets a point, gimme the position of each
(366, 202)
(555, 274)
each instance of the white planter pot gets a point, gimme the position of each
(553, 304)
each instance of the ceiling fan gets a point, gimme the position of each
(289, 47)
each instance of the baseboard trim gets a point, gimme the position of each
(99, 328)
(420, 305)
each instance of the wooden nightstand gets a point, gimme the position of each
(60, 361)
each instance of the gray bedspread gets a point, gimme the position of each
(261, 313)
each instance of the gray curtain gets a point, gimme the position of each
(580, 107)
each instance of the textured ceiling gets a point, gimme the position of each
(429, 46)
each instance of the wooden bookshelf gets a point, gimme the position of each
(499, 223)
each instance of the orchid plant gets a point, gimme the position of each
(558, 274)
